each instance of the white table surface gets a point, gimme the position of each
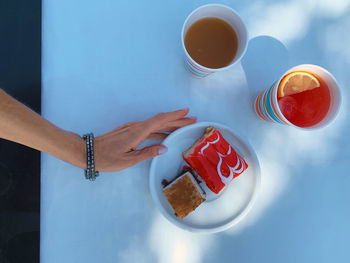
(110, 62)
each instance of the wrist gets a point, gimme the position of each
(78, 151)
(81, 153)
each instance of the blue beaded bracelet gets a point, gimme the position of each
(90, 172)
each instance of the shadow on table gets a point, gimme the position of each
(265, 61)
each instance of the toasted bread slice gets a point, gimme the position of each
(184, 194)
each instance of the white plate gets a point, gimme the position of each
(218, 214)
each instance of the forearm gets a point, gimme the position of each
(20, 124)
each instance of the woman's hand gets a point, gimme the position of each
(114, 151)
(117, 149)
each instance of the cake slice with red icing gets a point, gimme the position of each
(215, 160)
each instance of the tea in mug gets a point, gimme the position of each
(211, 42)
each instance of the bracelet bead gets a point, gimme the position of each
(90, 172)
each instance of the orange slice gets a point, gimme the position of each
(296, 82)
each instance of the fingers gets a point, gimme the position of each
(156, 123)
(160, 119)
(174, 125)
(157, 136)
(151, 128)
(147, 153)
(173, 115)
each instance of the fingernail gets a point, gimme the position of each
(193, 118)
(162, 150)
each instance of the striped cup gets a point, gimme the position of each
(228, 15)
(266, 105)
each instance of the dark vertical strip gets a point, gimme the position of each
(20, 76)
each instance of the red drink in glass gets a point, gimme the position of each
(306, 96)
(308, 107)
